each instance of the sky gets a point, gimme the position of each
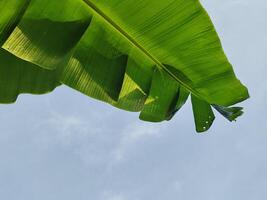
(67, 146)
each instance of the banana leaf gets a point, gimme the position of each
(138, 55)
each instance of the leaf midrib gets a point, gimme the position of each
(139, 46)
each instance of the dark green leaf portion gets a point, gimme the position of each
(18, 76)
(203, 114)
(11, 12)
(95, 67)
(180, 101)
(45, 43)
(230, 113)
(163, 93)
(88, 73)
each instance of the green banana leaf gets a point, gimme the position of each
(144, 56)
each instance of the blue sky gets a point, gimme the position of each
(65, 145)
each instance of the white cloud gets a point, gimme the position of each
(109, 195)
(68, 130)
(177, 185)
(133, 134)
